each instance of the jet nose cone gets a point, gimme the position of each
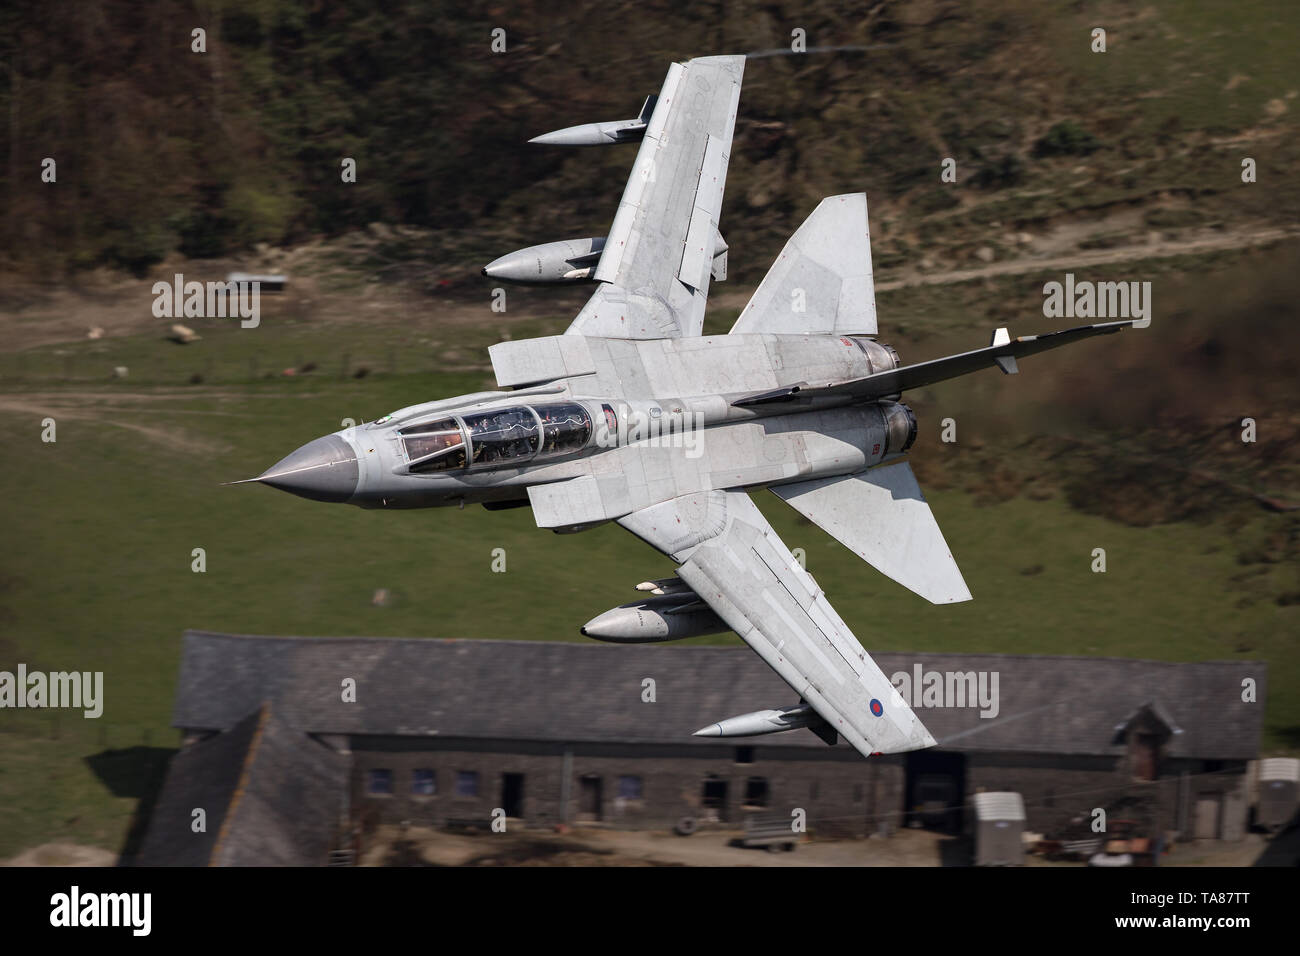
(322, 470)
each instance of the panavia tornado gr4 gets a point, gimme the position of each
(632, 415)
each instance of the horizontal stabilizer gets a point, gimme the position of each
(1001, 354)
(822, 282)
(881, 515)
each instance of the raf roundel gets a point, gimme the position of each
(876, 707)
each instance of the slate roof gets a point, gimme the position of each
(202, 776)
(273, 797)
(591, 692)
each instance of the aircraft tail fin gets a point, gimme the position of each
(822, 281)
(882, 517)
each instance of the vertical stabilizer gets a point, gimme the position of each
(822, 282)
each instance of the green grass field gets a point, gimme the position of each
(103, 522)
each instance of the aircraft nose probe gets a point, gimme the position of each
(323, 470)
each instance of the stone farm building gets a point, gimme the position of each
(283, 766)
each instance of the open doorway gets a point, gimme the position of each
(589, 797)
(713, 800)
(1145, 749)
(935, 789)
(512, 795)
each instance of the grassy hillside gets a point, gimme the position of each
(162, 150)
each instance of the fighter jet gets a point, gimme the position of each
(633, 416)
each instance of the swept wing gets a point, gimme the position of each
(736, 563)
(655, 268)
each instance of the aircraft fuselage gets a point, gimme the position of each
(628, 424)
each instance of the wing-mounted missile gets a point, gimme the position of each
(671, 616)
(601, 134)
(594, 134)
(569, 260)
(771, 722)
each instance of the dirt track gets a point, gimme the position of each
(105, 408)
(607, 847)
(1156, 249)
(121, 305)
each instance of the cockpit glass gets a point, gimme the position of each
(503, 436)
(451, 459)
(431, 438)
(565, 428)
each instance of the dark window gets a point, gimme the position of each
(379, 782)
(629, 788)
(756, 792)
(744, 755)
(424, 782)
(467, 783)
(565, 428)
